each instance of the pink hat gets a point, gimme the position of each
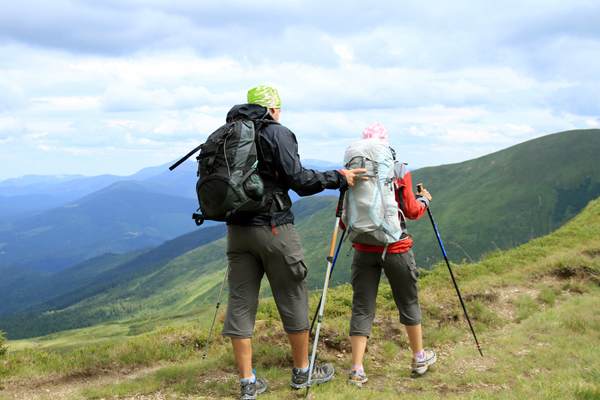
(376, 131)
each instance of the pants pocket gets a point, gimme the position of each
(414, 270)
(297, 265)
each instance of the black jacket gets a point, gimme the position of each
(279, 165)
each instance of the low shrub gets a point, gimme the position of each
(3, 348)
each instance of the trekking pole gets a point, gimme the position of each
(216, 310)
(330, 262)
(419, 189)
(330, 273)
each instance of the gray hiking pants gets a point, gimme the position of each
(253, 251)
(402, 273)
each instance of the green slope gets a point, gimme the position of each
(38, 286)
(507, 198)
(13, 277)
(534, 309)
(179, 275)
(107, 293)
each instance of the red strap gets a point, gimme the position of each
(273, 229)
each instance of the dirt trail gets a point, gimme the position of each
(71, 387)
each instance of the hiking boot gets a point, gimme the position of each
(357, 378)
(419, 367)
(251, 390)
(319, 375)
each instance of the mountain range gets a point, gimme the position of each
(51, 223)
(498, 201)
(179, 274)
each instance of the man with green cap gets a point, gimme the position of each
(267, 243)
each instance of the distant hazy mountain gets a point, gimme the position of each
(49, 223)
(39, 180)
(117, 219)
(42, 192)
(10, 205)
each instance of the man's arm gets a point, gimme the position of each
(304, 181)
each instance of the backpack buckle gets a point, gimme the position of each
(198, 218)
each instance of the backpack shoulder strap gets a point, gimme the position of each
(259, 124)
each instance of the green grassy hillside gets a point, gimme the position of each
(36, 287)
(179, 275)
(96, 290)
(534, 309)
(507, 198)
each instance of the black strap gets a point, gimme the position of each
(199, 218)
(246, 175)
(188, 155)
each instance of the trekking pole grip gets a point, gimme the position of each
(419, 187)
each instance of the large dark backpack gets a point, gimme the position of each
(228, 181)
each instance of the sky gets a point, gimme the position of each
(113, 86)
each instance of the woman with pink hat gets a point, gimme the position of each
(400, 269)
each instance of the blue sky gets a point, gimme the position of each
(113, 86)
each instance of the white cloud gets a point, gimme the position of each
(35, 136)
(127, 124)
(164, 66)
(68, 103)
(517, 130)
(10, 127)
(12, 96)
(475, 136)
(345, 52)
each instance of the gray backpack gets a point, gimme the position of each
(370, 208)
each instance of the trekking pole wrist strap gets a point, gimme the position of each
(340, 206)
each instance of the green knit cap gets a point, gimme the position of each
(265, 96)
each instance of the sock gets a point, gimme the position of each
(305, 370)
(420, 355)
(358, 368)
(252, 379)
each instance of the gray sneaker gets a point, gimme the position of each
(419, 367)
(251, 390)
(357, 378)
(319, 375)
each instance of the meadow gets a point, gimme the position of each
(535, 310)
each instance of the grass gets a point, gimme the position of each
(525, 359)
(534, 309)
(114, 332)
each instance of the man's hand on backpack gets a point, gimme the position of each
(352, 175)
